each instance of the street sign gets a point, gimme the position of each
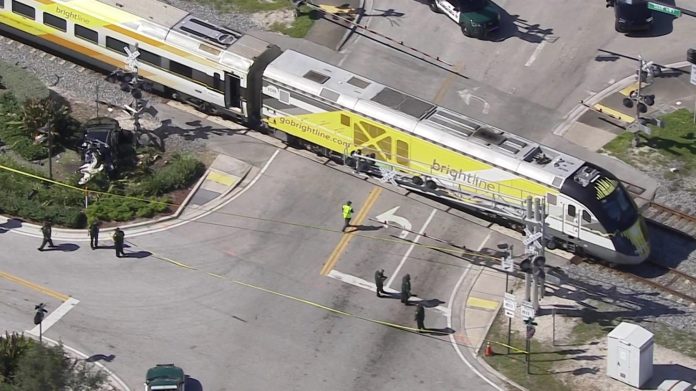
(510, 302)
(662, 8)
(527, 310)
(510, 314)
(532, 238)
(693, 74)
(508, 265)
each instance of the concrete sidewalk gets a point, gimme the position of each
(217, 185)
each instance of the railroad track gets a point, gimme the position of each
(671, 218)
(673, 282)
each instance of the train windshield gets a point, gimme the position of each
(618, 209)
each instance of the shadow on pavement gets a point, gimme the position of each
(10, 224)
(193, 384)
(100, 357)
(137, 254)
(69, 247)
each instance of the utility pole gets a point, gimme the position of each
(646, 73)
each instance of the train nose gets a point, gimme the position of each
(634, 242)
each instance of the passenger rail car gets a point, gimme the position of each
(306, 102)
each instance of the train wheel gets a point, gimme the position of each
(416, 180)
(430, 184)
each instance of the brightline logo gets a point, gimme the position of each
(304, 128)
(72, 15)
(461, 176)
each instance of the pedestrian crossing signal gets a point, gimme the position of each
(40, 311)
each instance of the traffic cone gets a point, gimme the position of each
(489, 350)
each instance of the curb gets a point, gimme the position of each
(575, 113)
(35, 230)
(112, 378)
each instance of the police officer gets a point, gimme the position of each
(420, 317)
(46, 231)
(405, 288)
(379, 282)
(347, 210)
(94, 234)
(119, 237)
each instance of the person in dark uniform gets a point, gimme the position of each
(94, 234)
(379, 282)
(46, 231)
(119, 237)
(420, 317)
(405, 288)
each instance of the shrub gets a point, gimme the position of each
(182, 171)
(29, 198)
(113, 208)
(21, 83)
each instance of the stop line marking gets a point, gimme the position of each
(54, 316)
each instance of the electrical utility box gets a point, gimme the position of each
(630, 354)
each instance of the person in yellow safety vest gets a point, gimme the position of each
(347, 210)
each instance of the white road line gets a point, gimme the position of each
(449, 322)
(55, 316)
(359, 282)
(197, 217)
(536, 52)
(410, 248)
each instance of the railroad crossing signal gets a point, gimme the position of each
(664, 9)
(40, 312)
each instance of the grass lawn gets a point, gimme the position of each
(676, 142)
(248, 5)
(513, 366)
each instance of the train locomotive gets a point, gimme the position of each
(311, 104)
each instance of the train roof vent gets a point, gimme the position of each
(203, 30)
(489, 136)
(537, 156)
(360, 83)
(585, 175)
(316, 77)
(404, 103)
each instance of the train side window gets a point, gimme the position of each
(571, 213)
(55, 22)
(2, 3)
(586, 216)
(233, 90)
(202, 77)
(86, 34)
(402, 152)
(217, 83)
(181, 69)
(149, 57)
(23, 9)
(116, 45)
(345, 120)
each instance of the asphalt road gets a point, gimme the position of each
(277, 236)
(531, 73)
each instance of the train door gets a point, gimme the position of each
(571, 222)
(233, 96)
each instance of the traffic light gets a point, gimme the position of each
(40, 312)
(526, 266)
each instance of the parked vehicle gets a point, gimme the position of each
(631, 15)
(101, 139)
(165, 377)
(477, 18)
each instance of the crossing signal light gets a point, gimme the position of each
(526, 266)
(40, 312)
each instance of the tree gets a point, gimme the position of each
(12, 347)
(49, 368)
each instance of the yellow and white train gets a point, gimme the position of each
(309, 103)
